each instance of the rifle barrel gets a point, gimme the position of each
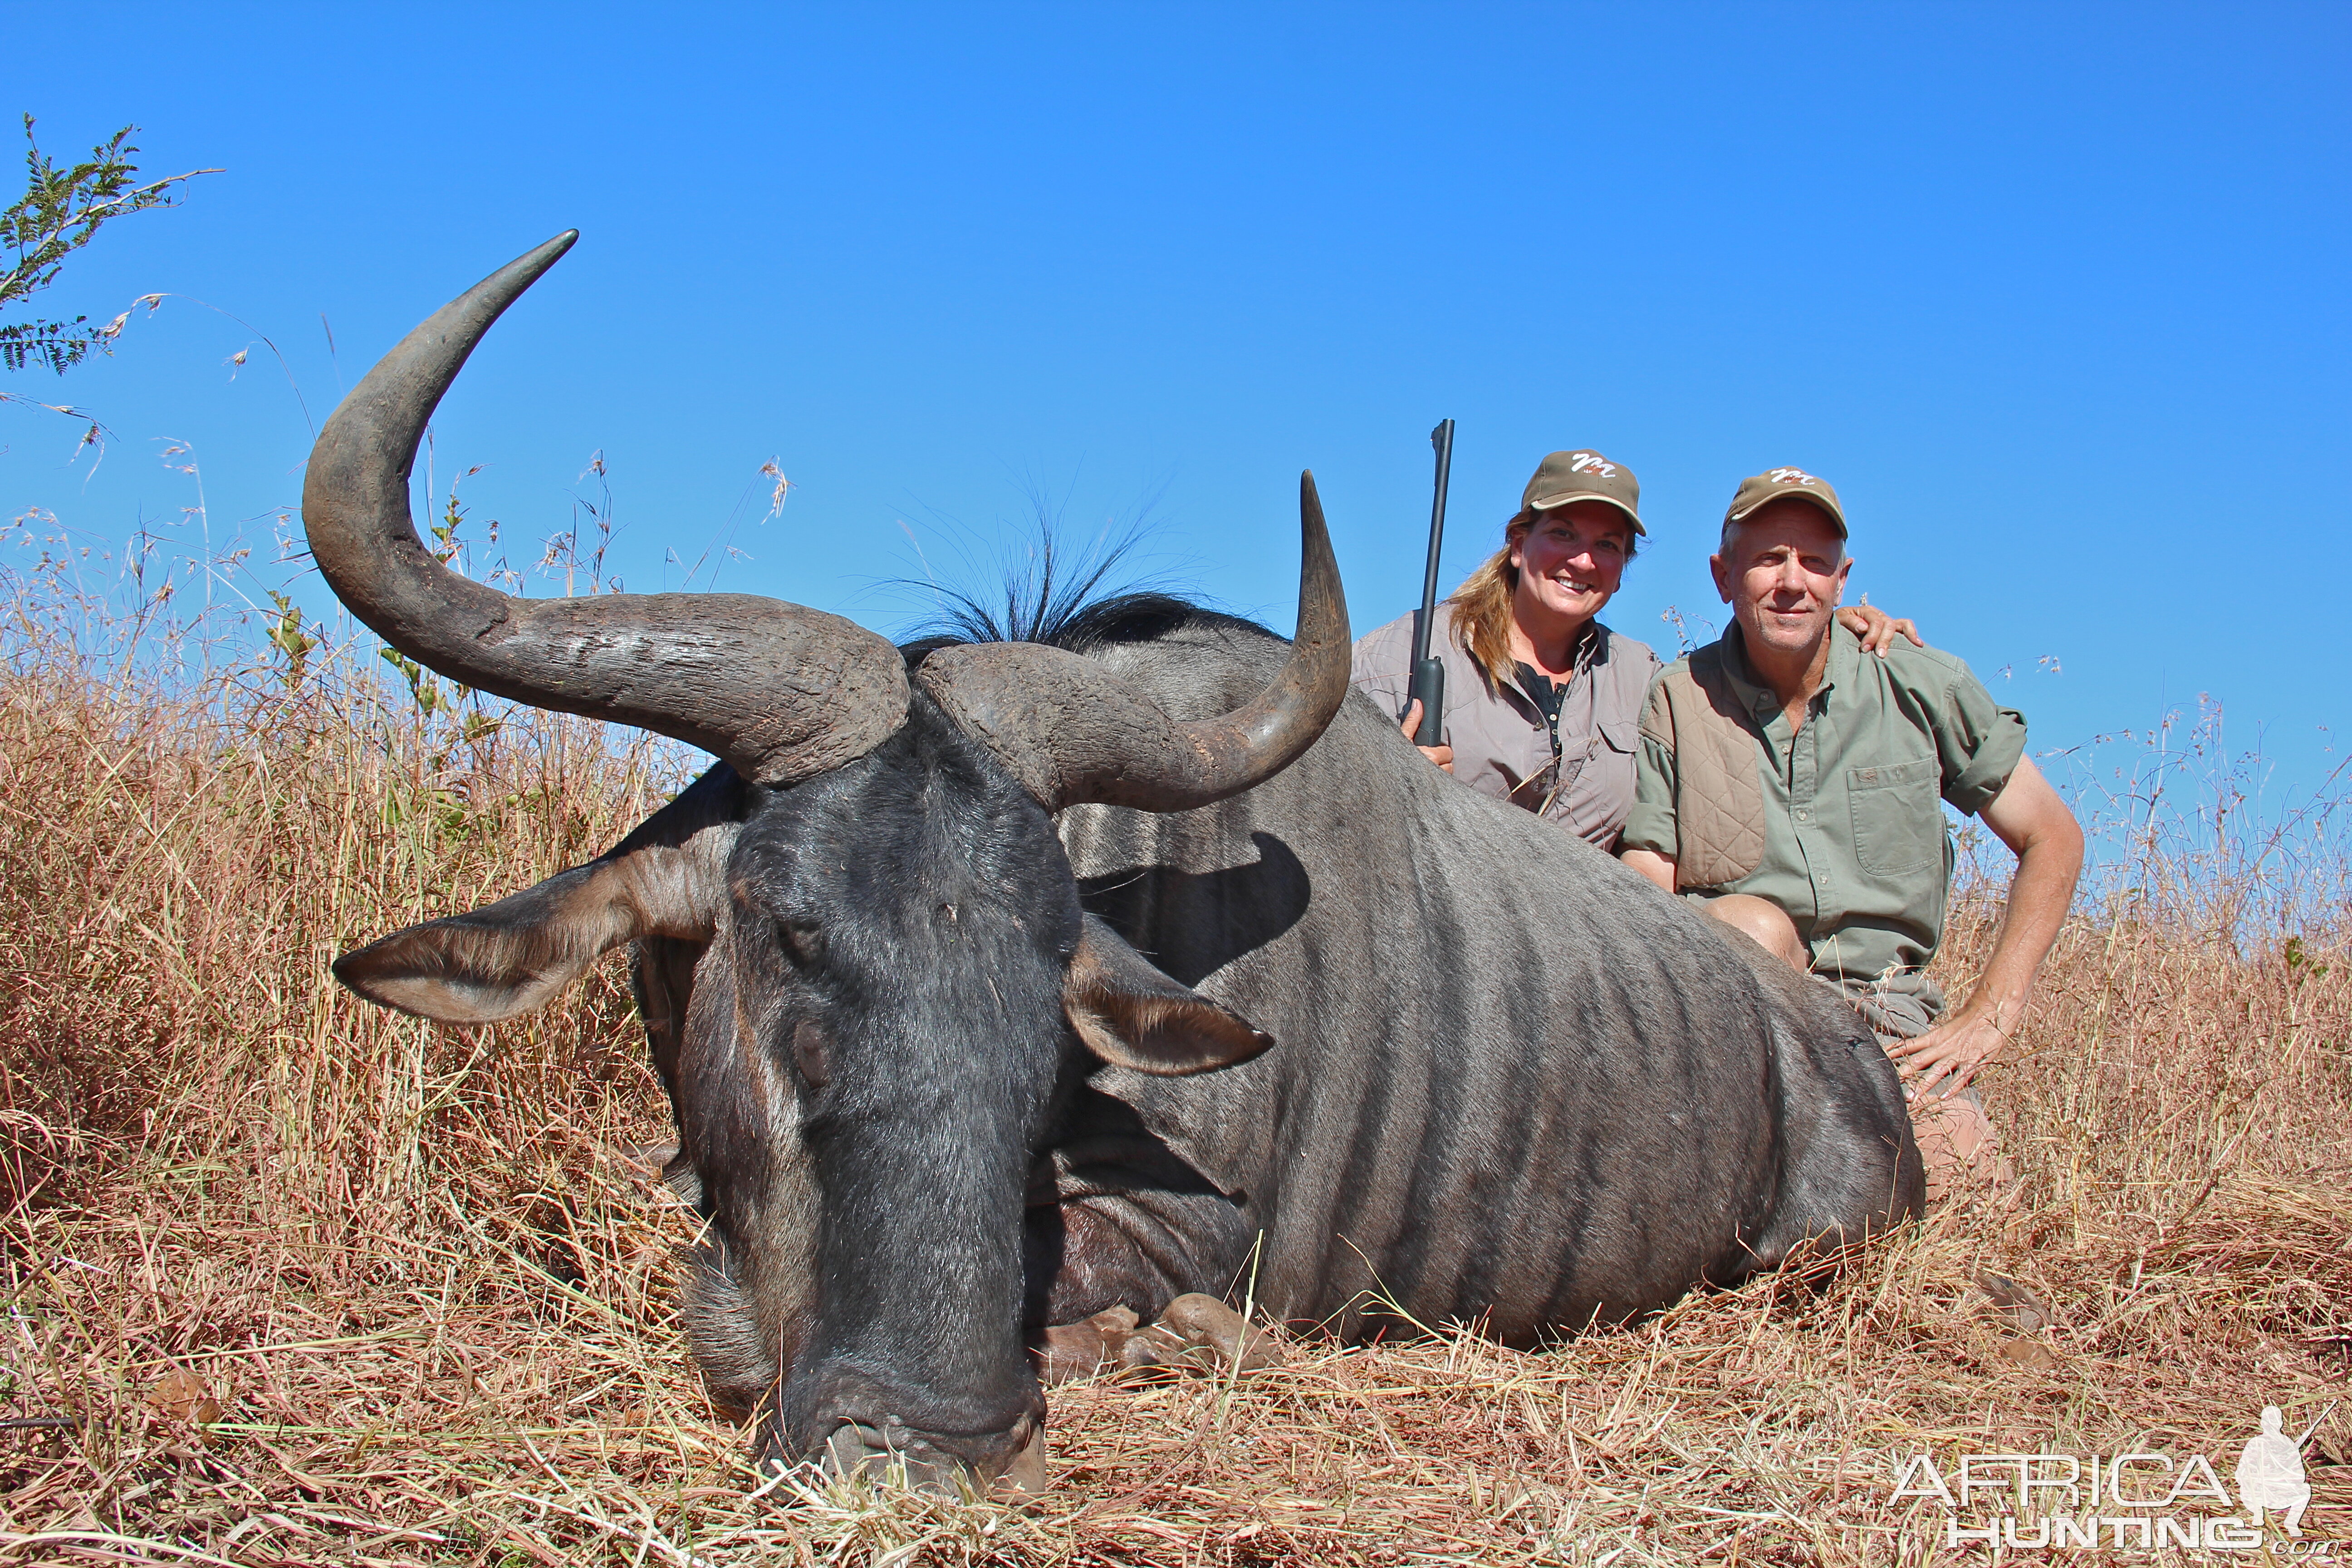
(1442, 439)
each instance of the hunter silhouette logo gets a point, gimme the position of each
(2269, 1470)
(2142, 1500)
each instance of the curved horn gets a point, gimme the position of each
(1070, 733)
(781, 691)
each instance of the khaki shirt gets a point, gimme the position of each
(1855, 849)
(1503, 742)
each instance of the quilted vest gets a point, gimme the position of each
(1719, 798)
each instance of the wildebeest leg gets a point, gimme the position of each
(1105, 1262)
(1116, 1219)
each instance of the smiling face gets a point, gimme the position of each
(1783, 569)
(1569, 562)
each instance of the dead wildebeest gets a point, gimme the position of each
(938, 963)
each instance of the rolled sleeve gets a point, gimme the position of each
(1979, 743)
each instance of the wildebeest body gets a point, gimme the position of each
(1134, 958)
(1515, 1083)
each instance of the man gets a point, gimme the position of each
(1796, 786)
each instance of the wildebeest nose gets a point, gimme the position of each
(1015, 1461)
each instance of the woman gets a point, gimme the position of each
(1543, 703)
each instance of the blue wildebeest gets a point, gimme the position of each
(995, 984)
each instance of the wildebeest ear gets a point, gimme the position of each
(1133, 1016)
(666, 878)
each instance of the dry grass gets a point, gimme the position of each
(430, 1291)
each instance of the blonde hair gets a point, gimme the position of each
(1480, 610)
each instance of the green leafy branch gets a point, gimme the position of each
(61, 212)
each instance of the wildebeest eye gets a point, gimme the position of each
(804, 939)
(808, 1053)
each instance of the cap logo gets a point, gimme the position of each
(1792, 476)
(1592, 463)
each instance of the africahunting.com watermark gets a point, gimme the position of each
(2135, 1501)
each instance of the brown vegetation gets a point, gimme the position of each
(292, 1279)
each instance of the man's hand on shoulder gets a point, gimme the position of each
(1876, 628)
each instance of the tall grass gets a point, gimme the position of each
(292, 1279)
(2195, 838)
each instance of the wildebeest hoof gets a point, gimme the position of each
(1210, 1334)
(1151, 1353)
(1067, 1351)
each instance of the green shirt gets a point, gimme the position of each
(1855, 848)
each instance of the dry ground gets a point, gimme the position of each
(292, 1281)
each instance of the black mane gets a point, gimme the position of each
(1045, 601)
(1121, 618)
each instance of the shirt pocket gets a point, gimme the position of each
(1898, 817)
(1621, 735)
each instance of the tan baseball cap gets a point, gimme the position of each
(1583, 475)
(1773, 483)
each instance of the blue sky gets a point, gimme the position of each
(2057, 296)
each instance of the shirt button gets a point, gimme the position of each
(1804, 816)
